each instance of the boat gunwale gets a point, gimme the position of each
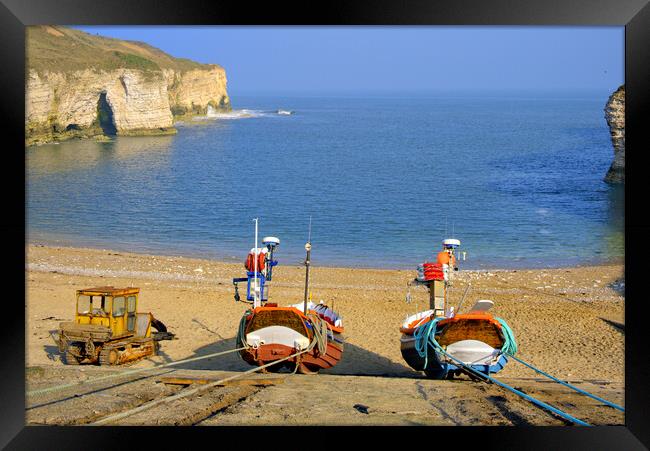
(460, 317)
(302, 316)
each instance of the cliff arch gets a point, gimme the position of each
(105, 116)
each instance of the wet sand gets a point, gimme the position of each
(568, 322)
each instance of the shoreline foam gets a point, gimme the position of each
(216, 257)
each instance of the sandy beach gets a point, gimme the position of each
(568, 322)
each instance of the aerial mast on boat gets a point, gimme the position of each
(259, 270)
(437, 276)
(297, 337)
(307, 263)
(256, 288)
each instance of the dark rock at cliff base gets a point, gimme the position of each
(615, 115)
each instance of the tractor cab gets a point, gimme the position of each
(107, 328)
(115, 308)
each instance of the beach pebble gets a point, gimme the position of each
(361, 408)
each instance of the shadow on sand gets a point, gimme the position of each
(615, 324)
(356, 361)
(52, 352)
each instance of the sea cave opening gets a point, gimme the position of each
(105, 116)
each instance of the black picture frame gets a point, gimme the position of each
(633, 14)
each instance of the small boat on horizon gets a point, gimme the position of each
(285, 112)
(444, 343)
(269, 332)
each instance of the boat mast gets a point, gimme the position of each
(256, 290)
(307, 263)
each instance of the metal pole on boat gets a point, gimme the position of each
(307, 263)
(469, 285)
(255, 282)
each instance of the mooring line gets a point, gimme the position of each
(126, 373)
(597, 398)
(425, 335)
(515, 391)
(156, 402)
(95, 391)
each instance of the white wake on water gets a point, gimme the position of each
(238, 114)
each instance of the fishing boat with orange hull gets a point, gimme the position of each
(305, 337)
(444, 343)
(273, 333)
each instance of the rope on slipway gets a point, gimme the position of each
(427, 338)
(566, 384)
(193, 391)
(126, 373)
(535, 401)
(319, 339)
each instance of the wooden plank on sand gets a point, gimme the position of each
(234, 382)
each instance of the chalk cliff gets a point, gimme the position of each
(81, 85)
(615, 115)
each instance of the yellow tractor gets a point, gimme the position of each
(108, 329)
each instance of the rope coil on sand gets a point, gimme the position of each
(320, 336)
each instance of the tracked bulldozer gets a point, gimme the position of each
(108, 329)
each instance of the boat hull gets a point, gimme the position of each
(308, 363)
(285, 332)
(436, 366)
(473, 339)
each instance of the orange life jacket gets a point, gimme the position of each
(445, 259)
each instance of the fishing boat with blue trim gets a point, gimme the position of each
(445, 343)
(268, 332)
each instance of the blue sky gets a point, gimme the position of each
(395, 59)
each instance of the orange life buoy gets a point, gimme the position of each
(250, 262)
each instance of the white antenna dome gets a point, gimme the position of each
(274, 241)
(451, 242)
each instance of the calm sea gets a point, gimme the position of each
(518, 179)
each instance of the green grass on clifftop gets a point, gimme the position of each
(61, 49)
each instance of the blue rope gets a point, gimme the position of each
(514, 390)
(510, 345)
(424, 333)
(597, 398)
(510, 349)
(425, 336)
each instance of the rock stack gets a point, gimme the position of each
(615, 115)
